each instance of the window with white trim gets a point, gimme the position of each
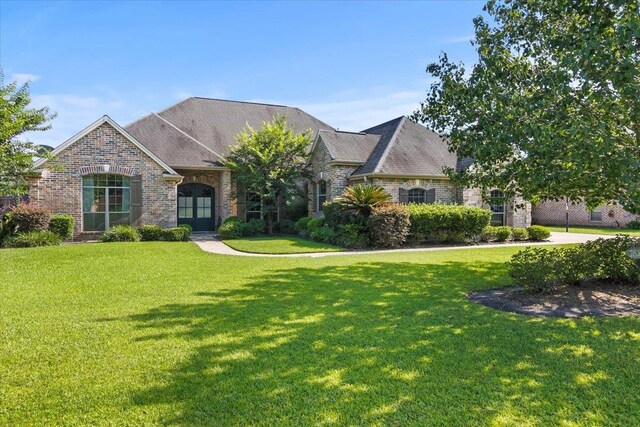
(106, 201)
(497, 207)
(321, 189)
(596, 215)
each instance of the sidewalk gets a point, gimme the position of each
(209, 243)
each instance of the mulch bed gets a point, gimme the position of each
(592, 299)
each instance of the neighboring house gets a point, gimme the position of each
(554, 213)
(167, 168)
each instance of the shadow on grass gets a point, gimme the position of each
(383, 343)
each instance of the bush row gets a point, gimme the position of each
(540, 270)
(437, 222)
(147, 233)
(501, 234)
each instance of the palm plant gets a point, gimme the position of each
(363, 198)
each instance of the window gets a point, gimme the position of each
(185, 201)
(322, 194)
(497, 207)
(106, 201)
(203, 202)
(253, 207)
(596, 215)
(419, 195)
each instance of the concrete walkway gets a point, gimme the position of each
(209, 243)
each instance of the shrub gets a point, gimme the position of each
(150, 233)
(519, 233)
(253, 227)
(361, 199)
(24, 218)
(503, 233)
(634, 225)
(538, 232)
(62, 225)
(353, 235)
(232, 219)
(335, 215)
(285, 226)
(230, 230)
(314, 224)
(187, 227)
(611, 261)
(602, 259)
(323, 234)
(533, 269)
(121, 233)
(389, 225)
(438, 222)
(296, 206)
(489, 233)
(31, 239)
(301, 225)
(176, 234)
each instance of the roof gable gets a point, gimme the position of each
(102, 120)
(348, 147)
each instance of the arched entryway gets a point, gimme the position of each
(196, 206)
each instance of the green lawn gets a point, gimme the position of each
(279, 245)
(164, 333)
(597, 230)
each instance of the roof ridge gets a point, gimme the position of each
(342, 131)
(187, 135)
(385, 153)
(240, 102)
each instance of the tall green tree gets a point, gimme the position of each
(552, 107)
(17, 154)
(269, 162)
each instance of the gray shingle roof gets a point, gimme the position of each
(348, 146)
(407, 148)
(216, 123)
(170, 144)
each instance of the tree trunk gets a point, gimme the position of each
(270, 222)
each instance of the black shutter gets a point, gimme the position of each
(314, 197)
(430, 196)
(136, 200)
(403, 195)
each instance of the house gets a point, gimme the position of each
(167, 168)
(555, 213)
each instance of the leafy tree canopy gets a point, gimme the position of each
(552, 108)
(16, 156)
(269, 161)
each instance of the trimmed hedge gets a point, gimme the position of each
(538, 232)
(439, 222)
(176, 234)
(503, 233)
(285, 226)
(62, 225)
(389, 225)
(32, 239)
(230, 230)
(519, 233)
(232, 219)
(301, 225)
(323, 234)
(150, 233)
(187, 227)
(489, 233)
(120, 233)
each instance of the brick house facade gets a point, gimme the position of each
(168, 168)
(554, 213)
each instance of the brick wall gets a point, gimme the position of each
(553, 213)
(336, 176)
(104, 148)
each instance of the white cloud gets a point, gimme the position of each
(22, 78)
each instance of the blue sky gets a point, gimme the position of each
(351, 64)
